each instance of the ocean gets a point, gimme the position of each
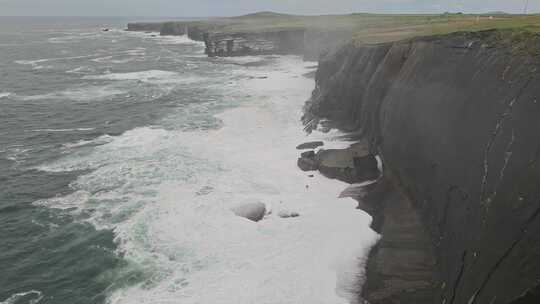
(122, 154)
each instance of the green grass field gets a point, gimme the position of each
(373, 28)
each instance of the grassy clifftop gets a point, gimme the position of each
(374, 28)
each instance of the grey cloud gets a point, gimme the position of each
(235, 7)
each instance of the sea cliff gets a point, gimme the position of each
(455, 119)
(302, 41)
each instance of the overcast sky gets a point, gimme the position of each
(200, 8)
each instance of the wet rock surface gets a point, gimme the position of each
(307, 161)
(457, 128)
(310, 145)
(251, 211)
(352, 165)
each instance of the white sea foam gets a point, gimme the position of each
(63, 130)
(168, 194)
(37, 62)
(78, 94)
(184, 39)
(33, 295)
(147, 76)
(165, 80)
(242, 59)
(121, 57)
(93, 142)
(17, 153)
(4, 95)
(156, 37)
(136, 52)
(73, 38)
(81, 70)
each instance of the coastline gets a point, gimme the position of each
(425, 254)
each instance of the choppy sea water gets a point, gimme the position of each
(121, 155)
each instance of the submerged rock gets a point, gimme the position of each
(288, 214)
(310, 145)
(252, 211)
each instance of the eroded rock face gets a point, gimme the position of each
(254, 43)
(252, 211)
(173, 29)
(456, 120)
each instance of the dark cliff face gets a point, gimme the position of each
(457, 121)
(259, 43)
(173, 29)
(309, 43)
(145, 27)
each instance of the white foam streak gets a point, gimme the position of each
(78, 94)
(184, 39)
(14, 299)
(146, 76)
(63, 130)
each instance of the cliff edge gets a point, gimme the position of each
(456, 120)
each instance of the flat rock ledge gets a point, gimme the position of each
(351, 165)
(310, 145)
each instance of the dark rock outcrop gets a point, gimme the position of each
(352, 165)
(307, 161)
(173, 29)
(310, 145)
(456, 120)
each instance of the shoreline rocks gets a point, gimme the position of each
(352, 165)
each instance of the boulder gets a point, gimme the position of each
(310, 145)
(252, 211)
(307, 164)
(288, 214)
(351, 165)
(308, 155)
